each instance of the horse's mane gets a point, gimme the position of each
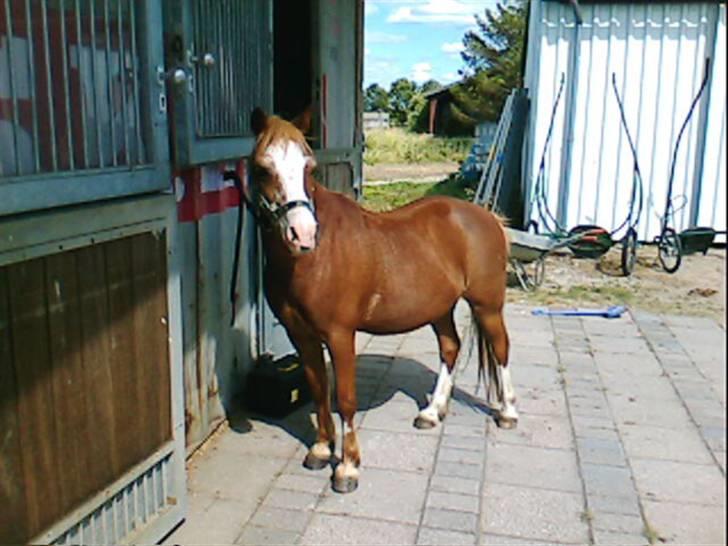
(278, 129)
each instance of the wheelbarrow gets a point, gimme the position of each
(531, 249)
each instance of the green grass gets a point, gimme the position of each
(395, 195)
(400, 146)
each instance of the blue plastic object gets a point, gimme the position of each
(615, 311)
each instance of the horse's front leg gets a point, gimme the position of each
(310, 349)
(319, 455)
(346, 474)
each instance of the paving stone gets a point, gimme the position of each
(618, 523)
(535, 401)
(680, 482)
(453, 455)
(643, 411)
(684, 523)
(620, 539)
(501, 540)
(536, 431)
(292, 500)
(721, 456)
(533, 466)
(441, 537)
(401, 451)
(258, 536)
(607, 480)
(211, 473)
(450, 484)
(382, 494)
(534, 376)
(618, 345)
(395, 417)
(312, 483)
(589, 407)
(589, 427)
(601, 451)
(221, 523)
(715, 437)
(450, 519)
(336, 530)
(626, 505)
(463, 442)
(280, 518)
(459, 470)
(682, 444)
(535, 514)
(453, 501)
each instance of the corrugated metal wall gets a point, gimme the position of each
(657, 51)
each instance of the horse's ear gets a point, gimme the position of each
(303, 120)
(258, 121)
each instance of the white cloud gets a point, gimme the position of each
(454, 47)
(451, 77)
(421, 72)
(435, 11)
(367, 51)
(376, 37)
(370, 7)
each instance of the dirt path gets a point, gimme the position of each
(426, 172)
(698, 288)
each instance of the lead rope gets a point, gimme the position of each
(232, 175)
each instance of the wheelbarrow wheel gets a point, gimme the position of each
(522, 275)
(539, 272)
(629, 252)
(669, 250)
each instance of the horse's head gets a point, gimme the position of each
(281, 167)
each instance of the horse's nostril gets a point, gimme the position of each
(294, 235)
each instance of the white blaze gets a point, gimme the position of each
(289, 162)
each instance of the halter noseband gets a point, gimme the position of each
(267, 213)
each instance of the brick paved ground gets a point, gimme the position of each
(621, 441)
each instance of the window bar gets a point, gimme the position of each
(226, 43)
(109, 80)
(11, 82)
(82, 74)
(240, 72)
(33, 97)
(122, 82)
(51, 112)
(97, 116)
(135, 86)
(220, 15)
(66, 85)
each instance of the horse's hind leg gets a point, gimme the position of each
(447, 338)
(501, 395)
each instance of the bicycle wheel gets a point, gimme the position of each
(669, 250)
(629, 252)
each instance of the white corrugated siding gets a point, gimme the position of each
(657, 52)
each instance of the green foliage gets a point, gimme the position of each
(376, 99)
(492, 57)
(391, 196)
(401, 93)
(399, 146)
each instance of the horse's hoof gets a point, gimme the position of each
(506, 423)
(346, 484)
(424, 422)
(314, 463)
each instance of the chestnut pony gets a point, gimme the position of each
(333, 268)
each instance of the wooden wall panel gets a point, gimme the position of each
(84, 376)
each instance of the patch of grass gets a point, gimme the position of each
(391, 196)
(605, 294)
(400, 146)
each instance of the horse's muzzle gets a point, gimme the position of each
(301, 230)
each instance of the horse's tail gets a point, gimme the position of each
(487, 363)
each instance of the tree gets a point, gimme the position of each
(401, 93)
(376, 99)
(492, 57)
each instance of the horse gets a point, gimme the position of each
(333, 268)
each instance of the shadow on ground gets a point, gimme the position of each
(379, 379)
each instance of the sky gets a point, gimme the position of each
(416, 39)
